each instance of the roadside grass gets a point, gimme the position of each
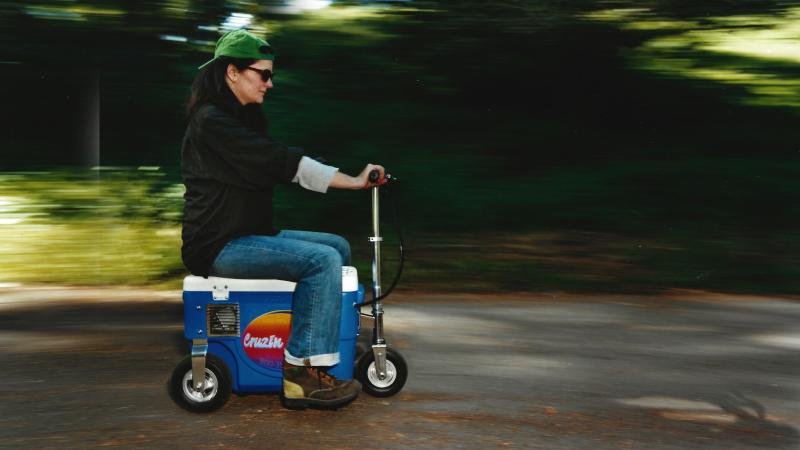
(121, 227)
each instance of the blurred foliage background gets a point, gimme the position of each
(605, 146)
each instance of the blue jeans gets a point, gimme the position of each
(314, 261)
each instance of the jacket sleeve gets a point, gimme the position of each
(241, 156)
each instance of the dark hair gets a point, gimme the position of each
(209, 86)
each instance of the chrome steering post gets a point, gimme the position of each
(378, 342)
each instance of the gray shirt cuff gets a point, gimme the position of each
(313, 175)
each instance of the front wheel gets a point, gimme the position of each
(217, 388)
(396, 374)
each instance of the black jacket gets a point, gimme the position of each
(229, 170)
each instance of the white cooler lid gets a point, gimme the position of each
(194, 283)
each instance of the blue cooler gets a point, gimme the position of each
(247, 323)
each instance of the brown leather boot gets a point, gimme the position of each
(312, 387)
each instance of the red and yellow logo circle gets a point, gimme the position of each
(265, 338)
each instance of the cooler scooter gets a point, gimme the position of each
(237, 330)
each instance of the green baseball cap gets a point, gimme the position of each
(242, 44)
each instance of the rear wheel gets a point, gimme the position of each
(213, 396)
(396, 374)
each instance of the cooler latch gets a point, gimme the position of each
(219, 289)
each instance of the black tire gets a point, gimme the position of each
(212, 398)
(397, 373)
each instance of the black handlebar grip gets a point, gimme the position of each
(374, 175)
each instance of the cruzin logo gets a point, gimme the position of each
(262, 342)
(265, 338)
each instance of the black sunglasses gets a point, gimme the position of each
(266, 74)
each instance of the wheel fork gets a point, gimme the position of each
(199, 351)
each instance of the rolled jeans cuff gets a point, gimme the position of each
(329, 359)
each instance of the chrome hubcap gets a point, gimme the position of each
(391, 375)
(204, 395)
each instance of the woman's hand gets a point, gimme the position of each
(344, 181)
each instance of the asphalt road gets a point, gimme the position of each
(86, 369)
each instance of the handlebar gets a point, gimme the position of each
(374, 175)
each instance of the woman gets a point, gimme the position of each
(230, 165)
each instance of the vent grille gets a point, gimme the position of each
(223, 320)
